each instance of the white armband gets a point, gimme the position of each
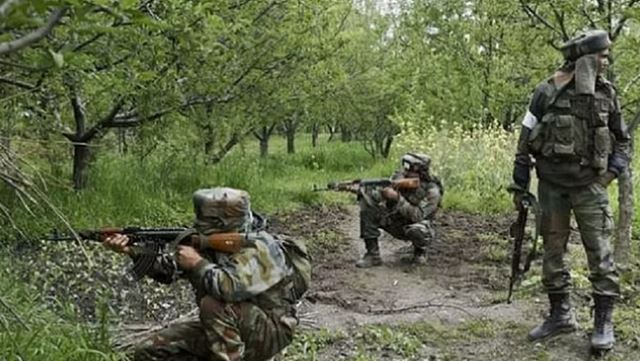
(529, 120)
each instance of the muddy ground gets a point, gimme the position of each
(454, 306)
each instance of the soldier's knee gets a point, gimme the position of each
(144, 354)
(419, 234)
(210, 305)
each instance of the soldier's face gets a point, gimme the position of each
(603, 61)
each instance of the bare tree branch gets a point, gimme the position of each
(585, 13)
(17, 83)
(105, 122)
(20, 66)
(5, 6)
(534, 15)
(615, 32)
(78, 112)
(15, 45)
(630, 83)
(133, 119)
(239, 5)
(560, 19)
(265, 11)
(87, 42)
(633, 124)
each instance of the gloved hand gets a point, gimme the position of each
(518, 194)
(606, 178)
(517, 200)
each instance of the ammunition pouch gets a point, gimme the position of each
(574, 130)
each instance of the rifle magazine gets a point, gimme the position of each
(145, 260)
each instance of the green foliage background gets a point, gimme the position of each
(169, 96)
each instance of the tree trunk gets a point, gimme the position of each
(625, 219)
(81, 158)
(123, 147)
(332, 132)
(264, 147)
(6, 142)
(315, 132)
(263, 136)
(622, 247)
(217, 157)
(209, 140)
(290, 126)
(386, 148)
(345, 134)
(291, 137)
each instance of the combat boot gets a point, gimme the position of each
(602, 338)
(560, 319)
(419, 256)
(372, 257)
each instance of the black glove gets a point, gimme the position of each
(518, 194)
(521, 175)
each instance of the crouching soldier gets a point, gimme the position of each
(246, 299)
(406, 214)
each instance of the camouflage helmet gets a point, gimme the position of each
(586, 43)
(419, 161)
(221, 210)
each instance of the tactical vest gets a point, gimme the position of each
(574, 129)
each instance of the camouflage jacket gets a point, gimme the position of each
(258, 273)
(417, 205)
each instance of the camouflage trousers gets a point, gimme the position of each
(225, 332)
(374, 215)
(590, 205)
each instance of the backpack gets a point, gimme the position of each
(300, 260)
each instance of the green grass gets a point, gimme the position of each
(124, 190)
(30, 331)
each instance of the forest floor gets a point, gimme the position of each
(452, 308)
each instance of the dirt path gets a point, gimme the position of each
(446, 290)
(460, 294)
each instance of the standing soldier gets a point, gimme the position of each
(574, 130)
(406, 214)
(246, 299)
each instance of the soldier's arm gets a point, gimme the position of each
(247, 274)
(619, 158)
(522, 162)
(427, 206)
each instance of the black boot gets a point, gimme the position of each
(560, 319)
(372, 257)
(602, 338)
(419, 256)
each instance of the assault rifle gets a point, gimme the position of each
(518, 233)
(150, 242)
(355, 185)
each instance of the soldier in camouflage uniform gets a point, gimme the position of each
(246, 299)
(405, 214)
(574, 130)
